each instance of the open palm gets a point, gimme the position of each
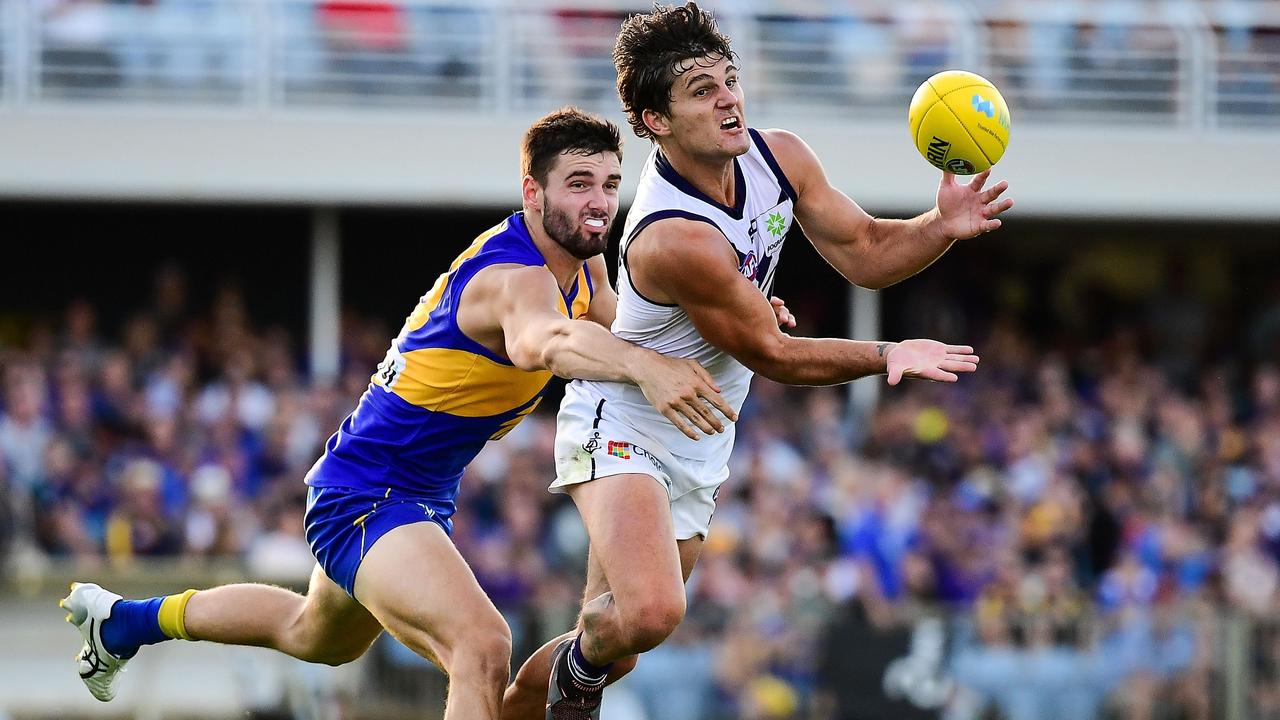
(966, 209)
(929, 360)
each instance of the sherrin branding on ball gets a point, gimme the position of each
(959, 122)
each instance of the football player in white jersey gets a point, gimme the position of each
(646, 492)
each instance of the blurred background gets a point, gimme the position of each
(215, 215)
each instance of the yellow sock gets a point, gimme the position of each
(173, 610)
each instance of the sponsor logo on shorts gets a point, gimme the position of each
(622, 450)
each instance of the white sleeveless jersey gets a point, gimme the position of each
(755, 228)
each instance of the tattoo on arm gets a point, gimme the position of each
(881, 348)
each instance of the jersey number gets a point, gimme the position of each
(390, 367)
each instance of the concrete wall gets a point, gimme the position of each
(348, 158)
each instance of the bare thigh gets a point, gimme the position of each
(414, 581)
(340, 624)
(628, 519)
(597, 584)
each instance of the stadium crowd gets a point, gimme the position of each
(1079, 522)
(1066, 57)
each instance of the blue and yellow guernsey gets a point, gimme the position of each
(439, 396)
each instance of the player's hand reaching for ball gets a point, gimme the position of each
(927, 360)
(966, 209)
(685, 393)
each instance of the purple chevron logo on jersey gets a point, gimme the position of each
(753, 268)
(748, 265)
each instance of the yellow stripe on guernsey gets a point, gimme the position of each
(432, 365)
(583, 299)
(461, 383)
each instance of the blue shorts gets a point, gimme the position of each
(343, 523)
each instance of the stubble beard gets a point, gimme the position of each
(563, 229)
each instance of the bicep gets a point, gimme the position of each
(726, 308)
(831, 219)
(525, 306)
(732, 314)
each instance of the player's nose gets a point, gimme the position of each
(597, 199)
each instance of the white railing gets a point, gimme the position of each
(1197, 65)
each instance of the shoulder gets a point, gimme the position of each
(781, 141)
(680, 245)
(675, 229)
(511, 248)
(507, 282)
(794, 156)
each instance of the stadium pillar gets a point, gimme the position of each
(864, 324)
(1238, 641)
(326, 302)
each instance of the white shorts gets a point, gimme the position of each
(593, 441)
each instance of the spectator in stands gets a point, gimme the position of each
(367, 43)
(138, 525)
(24, 432)
(76, 56)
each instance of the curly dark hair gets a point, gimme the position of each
(565, 130)
(649, 52)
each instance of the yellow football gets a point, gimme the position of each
(959, 122)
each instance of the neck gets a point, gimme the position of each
(563, 266)
(712, 176)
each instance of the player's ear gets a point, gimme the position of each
(531, 193)
(656, 123)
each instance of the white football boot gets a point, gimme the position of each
(88, 607)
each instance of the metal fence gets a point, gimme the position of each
(1179, 64)
(1182, 654)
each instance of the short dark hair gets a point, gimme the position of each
(565, 130)
(649, 50)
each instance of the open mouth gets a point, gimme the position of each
(730, 123)
(598, 223)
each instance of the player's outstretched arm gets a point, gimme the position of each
(690, 264)
(874, 252)
(524, 302)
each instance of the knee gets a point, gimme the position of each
(483, 655)
(653, 620)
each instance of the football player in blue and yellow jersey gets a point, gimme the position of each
(471, 361)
